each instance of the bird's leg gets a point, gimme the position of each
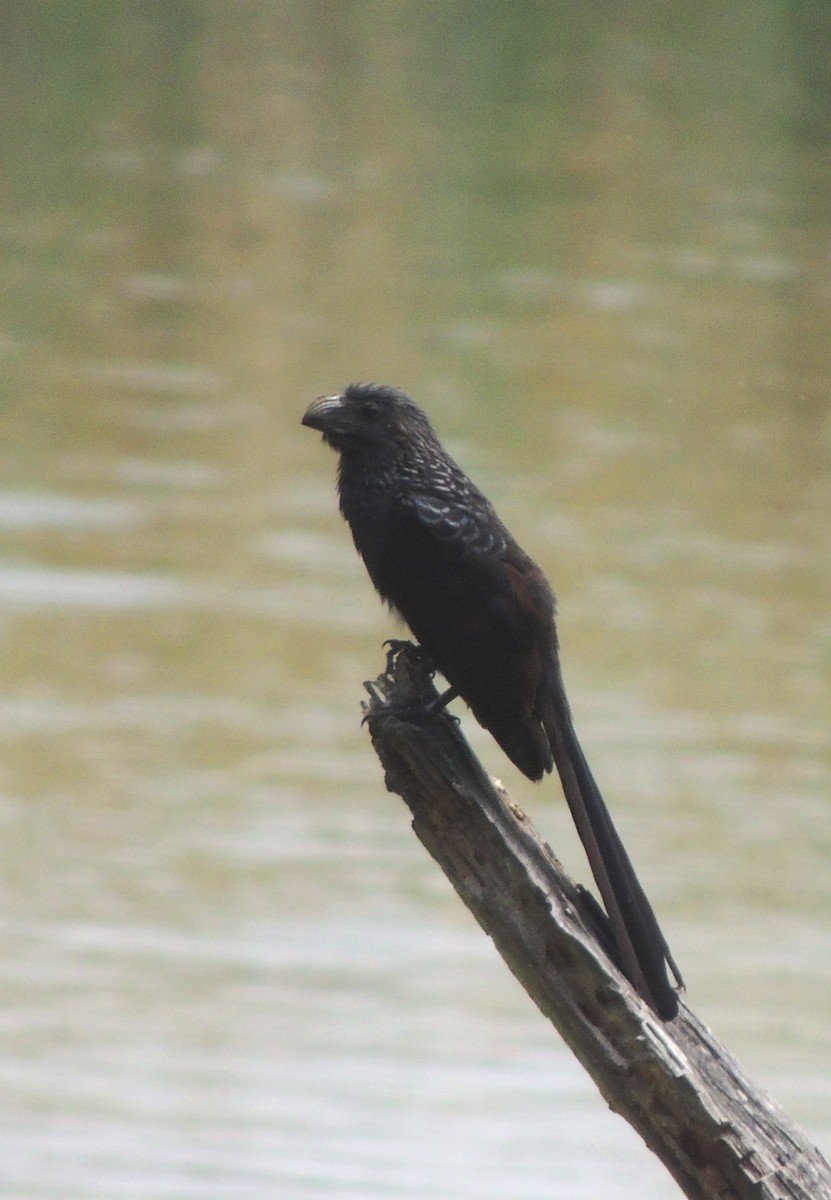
(439, 702)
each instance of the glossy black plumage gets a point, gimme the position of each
(483, 611)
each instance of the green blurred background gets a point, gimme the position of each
(595, 243)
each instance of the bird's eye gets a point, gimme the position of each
(370, 411)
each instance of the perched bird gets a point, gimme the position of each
(483, 612)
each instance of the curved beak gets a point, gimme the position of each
(320, 412)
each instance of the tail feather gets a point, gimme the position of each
(644, 953)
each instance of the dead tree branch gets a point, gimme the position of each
(715, 1131)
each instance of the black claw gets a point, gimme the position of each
(395, 646)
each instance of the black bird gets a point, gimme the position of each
(483, 611)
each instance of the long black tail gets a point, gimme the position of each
(644, 953)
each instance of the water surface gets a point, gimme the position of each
(596, 247)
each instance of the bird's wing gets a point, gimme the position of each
(463, 521)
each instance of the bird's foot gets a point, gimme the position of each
(415, 713)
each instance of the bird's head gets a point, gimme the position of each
(367, 418)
